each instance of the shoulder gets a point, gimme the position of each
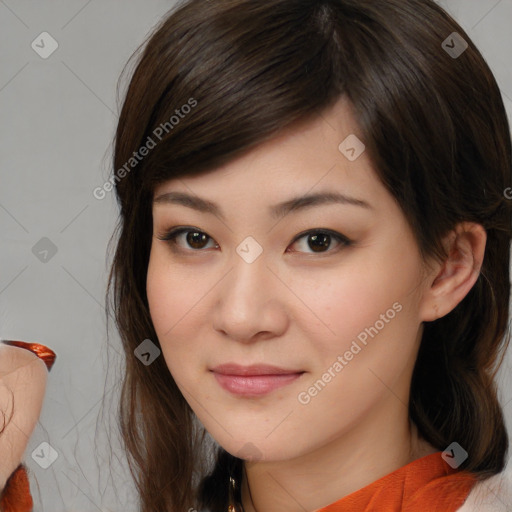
(491, 495)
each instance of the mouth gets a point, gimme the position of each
(254, 380)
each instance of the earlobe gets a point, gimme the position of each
(452, 281)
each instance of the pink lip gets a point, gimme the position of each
(254, 380)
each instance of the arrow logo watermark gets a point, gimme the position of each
(454, 45)
(147, 352)
(44, 45)
(454, 455)
(44, 250)
(352, 147)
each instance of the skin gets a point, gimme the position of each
(23, 378)
(300, 309)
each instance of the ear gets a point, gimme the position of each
(451, 280)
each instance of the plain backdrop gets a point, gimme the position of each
(57, 120)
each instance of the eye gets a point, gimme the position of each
(194, 237)
(317, 240)
(321, 239)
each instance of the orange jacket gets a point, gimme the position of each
(427, 484)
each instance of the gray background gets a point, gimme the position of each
(57, 122)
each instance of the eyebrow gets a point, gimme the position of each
(276, 211)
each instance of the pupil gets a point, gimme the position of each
(319, 242)
(192, 239)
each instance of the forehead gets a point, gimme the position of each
(307, 157)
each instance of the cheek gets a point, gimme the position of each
(371, 314)
(171, 291)
(177, 301)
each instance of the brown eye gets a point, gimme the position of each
(194, 239)
(320, 241)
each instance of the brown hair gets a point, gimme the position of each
(435, 128)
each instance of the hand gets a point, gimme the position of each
(23, 378)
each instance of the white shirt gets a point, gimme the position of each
(491, 495)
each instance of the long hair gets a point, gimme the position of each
(435, 128)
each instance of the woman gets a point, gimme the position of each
(253, 136)
(312, 268)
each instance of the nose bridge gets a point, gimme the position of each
(247, 293)
(249, 270)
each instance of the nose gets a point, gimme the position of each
(251, 302)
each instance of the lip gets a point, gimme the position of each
(253, 380)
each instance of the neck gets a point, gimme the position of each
(346, 464)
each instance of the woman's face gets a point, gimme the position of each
(254, 284)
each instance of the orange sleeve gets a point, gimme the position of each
(16, 495)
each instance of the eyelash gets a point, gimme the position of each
(171, 235)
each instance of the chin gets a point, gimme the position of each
(260, 449)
